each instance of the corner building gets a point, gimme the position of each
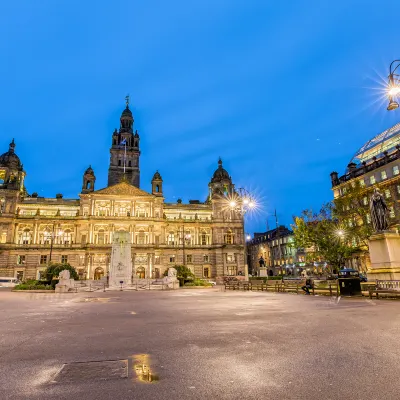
(205, 236)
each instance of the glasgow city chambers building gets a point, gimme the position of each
(34, 231)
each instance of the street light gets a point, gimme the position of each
(241, 203)
(52, 235)
(393, 88)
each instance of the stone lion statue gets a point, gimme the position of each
(171, 272)
(64, 274)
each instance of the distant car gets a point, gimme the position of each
(9, 281)
(363, 278)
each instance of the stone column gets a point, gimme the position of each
(224, 263)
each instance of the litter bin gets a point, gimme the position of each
(349, 282)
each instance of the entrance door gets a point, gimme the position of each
(140, 273)
(98, 273)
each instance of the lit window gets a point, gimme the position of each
(232, 270)
(172, 259)
(387, 193)
(21, 260)
(43, 259)
(205, 258)
(395, 170)
(230, 258)
(206, 272)
(203, 239)
(362, 182)
(391, 212)
(365, 201)
(189, 258)
(372, 180)
(228, 237)
(383, 175)
(171, 239)
(64, 259)
(26, 236)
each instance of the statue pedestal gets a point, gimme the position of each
(384, 250)
(262, 272)
(65, 285)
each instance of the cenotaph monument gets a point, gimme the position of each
(384, 244)
(121, 261)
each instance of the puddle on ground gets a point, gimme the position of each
(96, 299)
(142, 368)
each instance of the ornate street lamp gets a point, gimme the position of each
(393, 88)
(241, 203)
(52, 235)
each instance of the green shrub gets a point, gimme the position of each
(183, 274)
(32, 285)
(54, 269)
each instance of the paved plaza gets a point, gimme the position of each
(197, 344)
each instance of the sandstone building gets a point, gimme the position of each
(205, 236)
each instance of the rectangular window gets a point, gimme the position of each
(387, 193)
(372, 179)
(172, 258)
(395, 170)
(206, 258)
(157, 240)
(64, 259)
(21, 260)
(230, 258)
(383, 175)
(43, 259)
(189, 258)
(157, 260)
(206, 272)
(83, 239)
(232, 270)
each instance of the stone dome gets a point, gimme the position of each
(10, 159)
(89, 171)
(157, 176)
(126, 113)
(220, 173)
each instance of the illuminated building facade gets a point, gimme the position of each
(205, 236)
(375, 165)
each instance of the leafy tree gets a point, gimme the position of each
(352, 211)
(324, 237)
(54, 269)
(183, 273)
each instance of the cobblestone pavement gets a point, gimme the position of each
(197, 344)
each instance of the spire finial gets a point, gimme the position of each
(219, 161)
(12, 145)
(127, 100)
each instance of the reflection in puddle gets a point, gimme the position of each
(142, 368)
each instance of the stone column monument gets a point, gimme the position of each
(384, 244)
(121, 260)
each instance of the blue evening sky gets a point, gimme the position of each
(284, 92)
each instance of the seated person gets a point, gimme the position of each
(307, 286)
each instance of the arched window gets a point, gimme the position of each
(171, 239)
(130, 164)
(26, 236)
(67, 237)
(158, 188)
(229, 237)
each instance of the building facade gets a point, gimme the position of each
(205, 236)
(375, 165)
(275, 250)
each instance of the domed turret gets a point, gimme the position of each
(220, 174)
(88, 180)
(10, 159)
(126, 119)
(156, 184)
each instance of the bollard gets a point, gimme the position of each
(104, 287)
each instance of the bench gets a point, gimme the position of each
(245, 285)
(258, 285)
(275, 285)
(385, 287)
(293, 285)
(231, 285)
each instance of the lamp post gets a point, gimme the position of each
(52, 235)
(393, 87)
(241, 203)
